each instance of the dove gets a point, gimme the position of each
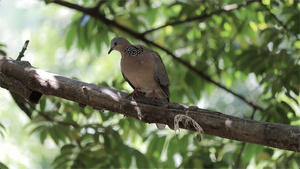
(143, 69)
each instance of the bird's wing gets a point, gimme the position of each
(161, 75)
(128, 81)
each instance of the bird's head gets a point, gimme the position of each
(119, 44)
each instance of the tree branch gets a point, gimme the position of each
(101, 2)
(96, 14)
(275, 17)
(16, 87)
(226, 9)
(75, 125)
(239, 158)
(214, 123)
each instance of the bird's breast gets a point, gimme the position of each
(140, 72)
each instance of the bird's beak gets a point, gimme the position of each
(111, 49)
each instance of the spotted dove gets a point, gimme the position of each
(143, 69)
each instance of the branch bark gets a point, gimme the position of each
(214, 123)
(96, 14)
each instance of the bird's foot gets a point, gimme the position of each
(154, 96)
(135, 92)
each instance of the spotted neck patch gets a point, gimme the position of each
(134, 50)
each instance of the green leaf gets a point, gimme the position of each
(66, 158)
(54, 135)
(39, 128)
(43, 104)
(225, 45)
(67, 149)
(38, 119)
(2, 166)
(43, 135)
(2, 52)
(70, 37)
(48, 1)
(2, 126)
(141, 160)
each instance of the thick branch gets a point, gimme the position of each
(214, 123)
(15, 86)
(98, 15)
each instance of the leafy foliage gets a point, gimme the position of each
(253, 51)
(3, 166)
(2, 129)
(2, 52)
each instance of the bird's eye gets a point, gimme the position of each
(115, 43)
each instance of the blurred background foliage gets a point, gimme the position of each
(252, 51)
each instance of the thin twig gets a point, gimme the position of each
(206, 77)
(101, 2)
(222, 49)
(21, 54)
(238, 161)
(253, 113)
(75, 125)
(98, 15)
(204, 16)
(275, 17)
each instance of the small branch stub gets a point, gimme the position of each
(21, 54)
